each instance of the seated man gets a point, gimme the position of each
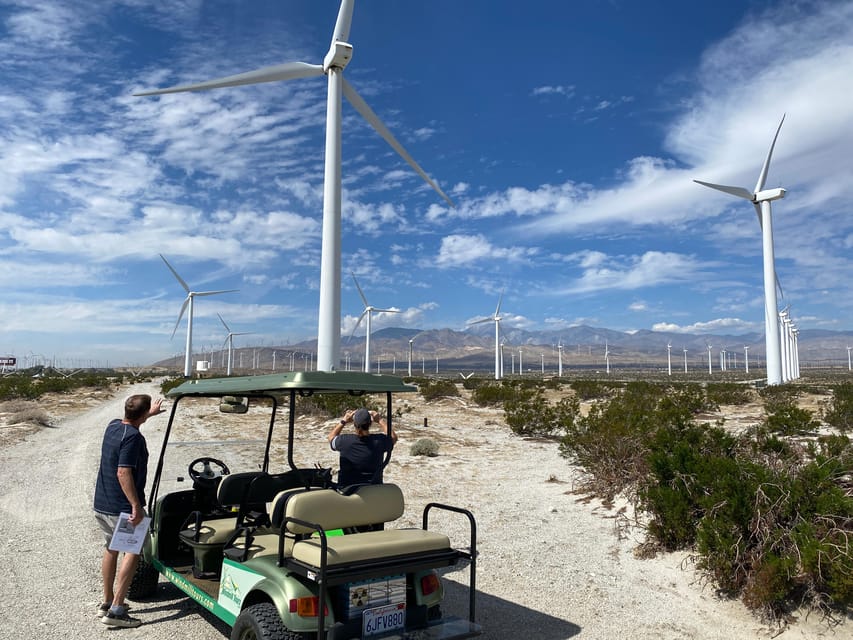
(362, 452)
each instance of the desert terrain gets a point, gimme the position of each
(552, 563)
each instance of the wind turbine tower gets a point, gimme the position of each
(334, 63)
(761, 199)
(709, 360)
(685, 361)
(746, 357)
(188, 306)
(368, 311)
(669, 358)
(560, 359)
(496, 318)
(849, 363)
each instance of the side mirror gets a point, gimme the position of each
(233, 404)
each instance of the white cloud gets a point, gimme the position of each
(457, 250)
(634, 272)
(718, 326)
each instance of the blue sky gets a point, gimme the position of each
(567, 133)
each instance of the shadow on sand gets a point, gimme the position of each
(500, 619)
(503, 619)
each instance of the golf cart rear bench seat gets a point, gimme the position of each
(250, 493)
(304, 548)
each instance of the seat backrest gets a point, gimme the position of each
(370, 504)
(234, 487)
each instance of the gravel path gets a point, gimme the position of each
(551, 566)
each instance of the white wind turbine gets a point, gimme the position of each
(761, 199)
(334, 63)
(368, 311)
(560, 358)
(669, 358)
(685, 360)
(230, 342)
(746, 358)
(607, 356)
(849, 362)
(496, 318)
(188, 303)
(709, 360)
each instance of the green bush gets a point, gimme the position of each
(728, 393)
(528, 413)
(592, 389)
(839, 412)
(424, 447)
(433, 388)
(493, 393)
(787, 419)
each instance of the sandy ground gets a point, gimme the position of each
(551, 564)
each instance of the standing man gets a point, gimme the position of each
(120, 488)
(361, 453)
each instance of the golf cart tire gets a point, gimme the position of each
(261, 622)
(144, 582)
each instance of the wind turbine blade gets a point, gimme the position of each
(360, 292)
(363, 313)
(779, 286)
(388, 310)
(762, 177)
(758, 215)
(498, 309)
(227, 328)
(213, 293)
(180, 315)
(286, 71)
(740, 192)
(343, 22)
(368, 114)
(481, 321)
(175, 273)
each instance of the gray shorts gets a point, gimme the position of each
(107, 523)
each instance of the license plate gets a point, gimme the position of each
(382, 619)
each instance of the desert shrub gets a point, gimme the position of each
(691, 397)
(473, 382)
(528, 413)
(776, 535)
(728, 393)
(432, 389)
(787, 419)
(592, 389)
(838, 412)
(30, 415)
(494, 393)
(424, 447)
(170, 383)
(778, 394)
(612, 441)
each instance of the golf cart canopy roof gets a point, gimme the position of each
(355, 383)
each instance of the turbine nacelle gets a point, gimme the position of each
(768, 195)
(338, 57)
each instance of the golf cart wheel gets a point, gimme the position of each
(261, 622)
(144, 582)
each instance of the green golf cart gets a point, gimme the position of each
(277, 550)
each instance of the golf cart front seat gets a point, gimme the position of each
(206, 534)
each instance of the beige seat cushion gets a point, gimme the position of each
(358, 547)
(212, 532)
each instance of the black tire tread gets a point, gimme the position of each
(144, 582)
(263, 618)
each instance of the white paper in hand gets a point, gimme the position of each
(129, 538)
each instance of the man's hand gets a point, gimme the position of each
(137, 512)
(156, 407)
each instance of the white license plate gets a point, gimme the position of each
(382, 619)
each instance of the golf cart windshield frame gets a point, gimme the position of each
(273, 387)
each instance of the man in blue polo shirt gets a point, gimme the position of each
(120, 488)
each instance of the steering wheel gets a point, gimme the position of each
(207, 477)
